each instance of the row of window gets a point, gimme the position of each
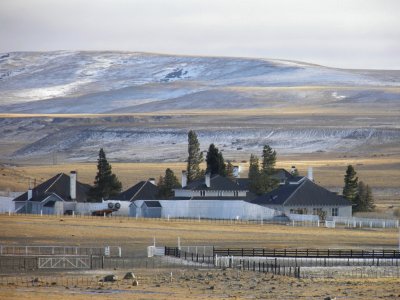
(219, 194)
(315, 211)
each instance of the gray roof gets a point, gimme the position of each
(144, 190)
(152, 204)
(217, 183)
(58, 185)
(305, 193)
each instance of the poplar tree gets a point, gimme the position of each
(364, 199)
(350, 189)
(195, 157)
(106, 184)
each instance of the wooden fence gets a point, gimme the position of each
(311, 253)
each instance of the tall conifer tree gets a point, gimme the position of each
(215, 161)
(166, 184)
(106, 184)
(350, 189)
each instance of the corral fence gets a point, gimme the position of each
(260, 266)
(22, 250)
(309, 253)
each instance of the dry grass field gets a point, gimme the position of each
(134, 235)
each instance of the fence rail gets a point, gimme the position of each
(312, 253)
(25, 250)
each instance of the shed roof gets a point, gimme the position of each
(152, 204)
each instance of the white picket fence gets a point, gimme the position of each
(366, 222)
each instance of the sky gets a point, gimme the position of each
(338, 33)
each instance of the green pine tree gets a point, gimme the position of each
(257, 178)
(268, 160)
(166, 184)
(195, 157)
(106, 184)
(350, 189)
(215, 161)
(268, 182)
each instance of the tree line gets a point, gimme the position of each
(261, 176)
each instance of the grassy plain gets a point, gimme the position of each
(135, 235)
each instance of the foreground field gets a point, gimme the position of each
(171, 283)
(197, 284)
(135, 235)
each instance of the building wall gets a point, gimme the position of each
(151, 212)
(210, 209)
(6, 204)
(343, 211)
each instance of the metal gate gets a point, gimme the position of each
(64, 262)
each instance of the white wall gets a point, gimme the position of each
(212, 209)
(6, 204)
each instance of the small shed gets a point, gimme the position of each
(151, 209)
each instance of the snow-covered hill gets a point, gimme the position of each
(240, 104)
(102, 82)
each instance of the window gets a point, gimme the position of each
(202, 193)
(335, 212)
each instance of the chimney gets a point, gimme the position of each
(208, 177)
(310, 174)
(236, 170)
(72, 185)
(30, 192)
(152, 181)
(292, 170)
(184, 179)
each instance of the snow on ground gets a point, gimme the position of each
(33, 76)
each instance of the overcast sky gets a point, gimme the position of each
(347, 33)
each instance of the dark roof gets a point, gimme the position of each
(306, 193)
(59, 185)
(152, 204)
(217, 183)
(144, 190)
